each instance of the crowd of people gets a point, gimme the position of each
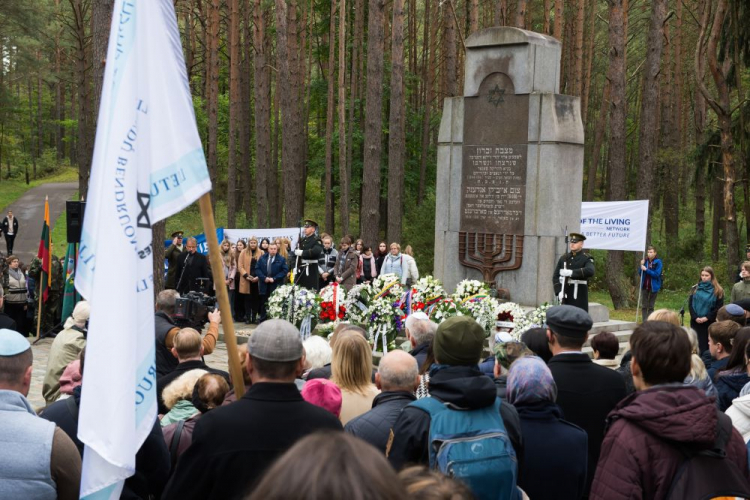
(254, 268)
(539, 419)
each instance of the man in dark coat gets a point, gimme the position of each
(233, 445)
(640, 454)
(188, 349)
(420, 331)
(271, 270)
(309, 249)
(192, 265)
(586, 392)
(5, 320)
(397, 378)
(575, 268)
(172, 253)
(458, 346)
(9, 227)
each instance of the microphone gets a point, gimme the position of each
(695, 286)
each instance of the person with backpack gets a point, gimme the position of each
(668, 440)
(465, 415)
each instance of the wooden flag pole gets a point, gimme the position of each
(217, 269)
(39, 311)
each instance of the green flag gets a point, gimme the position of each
(70, 295)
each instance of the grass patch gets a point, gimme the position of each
(12, 189)
(667, 299)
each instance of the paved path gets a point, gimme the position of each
(29, 210)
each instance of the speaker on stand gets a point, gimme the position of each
(75, 210)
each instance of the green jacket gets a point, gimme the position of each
(741, 290)
(182, 410)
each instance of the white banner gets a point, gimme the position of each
(148, 164)
(615, 225)
(291, 233)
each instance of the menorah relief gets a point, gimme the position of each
(490, 254)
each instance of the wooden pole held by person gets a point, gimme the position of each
(217, 269)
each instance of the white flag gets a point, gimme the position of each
(615, 225)
(148, 164)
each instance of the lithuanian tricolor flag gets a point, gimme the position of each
(44, 254)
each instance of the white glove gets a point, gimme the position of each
(298, 252)
(560, 296)
(566, 272)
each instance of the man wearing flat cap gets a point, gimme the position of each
(233, 445)
(459, 385)
(572, 273)
(172, 252)
(37, 459)
(586, 392)
(309, 250)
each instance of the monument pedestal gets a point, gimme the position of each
(510, 167)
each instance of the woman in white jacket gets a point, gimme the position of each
(412, 274)
(739, 412)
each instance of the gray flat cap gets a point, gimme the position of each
(569, 321)
(275, 340)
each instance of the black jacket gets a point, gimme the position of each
(233, 445)
(420, 353)
(181, 369)
(586, 393)
(463, 386)
(375, 425)
(7, 322)
(189, 268)
(555, 454)
(151, 462)
(165, 360)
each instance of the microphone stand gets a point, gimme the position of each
(682, 309)
(296, 277)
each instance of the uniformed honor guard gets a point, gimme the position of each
(309, 249)
(572, 274)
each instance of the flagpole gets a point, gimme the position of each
(217, 269)
(39, 309)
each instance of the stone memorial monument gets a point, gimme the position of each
(510, 167)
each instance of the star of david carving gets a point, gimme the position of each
(496, 95)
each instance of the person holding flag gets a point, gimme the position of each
(46, 271)
(148, 164)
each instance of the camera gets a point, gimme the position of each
(192, 309)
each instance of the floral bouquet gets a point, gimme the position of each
(306, 307)
(483, 309)
(532, 319)
(507, 313)
(356, 303)
(387, 285)
(470, 288)
(446, 308)
(384, 319)
(330, 296)
(426, 292)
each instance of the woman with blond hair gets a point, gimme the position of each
(248, 288)
(351, 370)
(705, 300)
(664, 315)
(698, 375)
(395, 263)
(178, 396)
(229, 262)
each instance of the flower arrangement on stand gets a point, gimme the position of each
(425, 293)
(483, 309)
(469, 288)
(356, 303)
(532, 319)
(506, 315)
(306, 307)
(447, 308)
(384, 315)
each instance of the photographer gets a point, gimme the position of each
(166, 329)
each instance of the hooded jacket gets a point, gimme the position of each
(462, 386)
(375, 425)
(728, 387)
(639, 458)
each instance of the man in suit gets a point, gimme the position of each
(9, 227)
(271, 270)
(191, 266)
(586, 392)
(234, 445)
(172, 253)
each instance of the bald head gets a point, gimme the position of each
(398, 371)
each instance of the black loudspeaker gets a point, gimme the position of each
(74, 220)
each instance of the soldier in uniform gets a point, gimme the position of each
(574, 268)
(309, 250)
(173, 251)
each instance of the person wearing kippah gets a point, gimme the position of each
(37, 459)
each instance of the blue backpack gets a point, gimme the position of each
(472, 446)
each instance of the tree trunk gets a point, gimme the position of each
(247, 188)
(356, 77)
(428, 77)
(158, 235)
(234, 111)
(344, 180)
(396, 125)
(617, 149)
(473, 6)
(370, 210)
(212, 91)
(83, 97)
(275, 193)
(450, 82)
(557, 26)
(601, 129)
(101, 19)
(331, 103)
(546, 27)
(590, 54)
(648, 136)
(578, 66)
(262, 89)
(520, 21)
